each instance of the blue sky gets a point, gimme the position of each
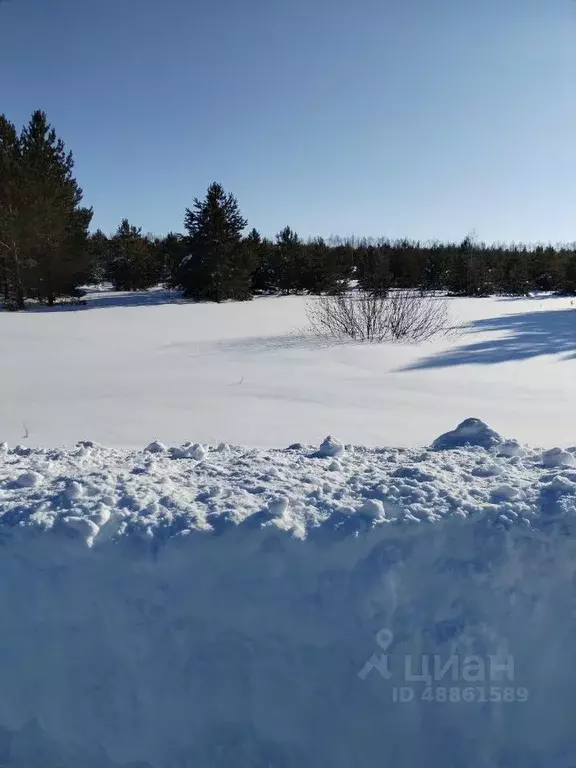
(418, 118)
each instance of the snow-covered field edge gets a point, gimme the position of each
(334, 606)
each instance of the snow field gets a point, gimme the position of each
(131, 366)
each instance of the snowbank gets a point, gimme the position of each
(214, 607)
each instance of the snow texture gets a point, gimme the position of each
(248, 608)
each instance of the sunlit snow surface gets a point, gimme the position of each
(130, 367)
(197, 606)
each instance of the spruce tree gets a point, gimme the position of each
(323, 268)
(99, 249)
(257, 250)
(546, 268)
(373, 269)
(435, 267)
(339, 268)
(11, 217)
(514, 279)
(217, 267)
(468, 273)
(170, 252)
(132, 266)
(569, 277)
(56, 225)
(289, 262)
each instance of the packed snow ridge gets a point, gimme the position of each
(161, 493)
(321, 606)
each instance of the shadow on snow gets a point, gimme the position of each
(527, 335)
(95, 299)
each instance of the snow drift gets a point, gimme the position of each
(222, 606)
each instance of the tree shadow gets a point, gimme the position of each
(520, 337)
(542, 296)
(95, 299)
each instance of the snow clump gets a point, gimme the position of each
(556, 457)
(279, 506)
(156, 447)
(330, 447)
(471, 432)
(29, 479)
(189, 451)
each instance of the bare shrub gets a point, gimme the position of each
(363, 316)
(414, 317)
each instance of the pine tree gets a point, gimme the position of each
(373, 269)
(407, 263)
(289, 262)
(132, 266)
(514, 279)
(569, 277)
(170, 252)
(468, 273)
(546, 268)
(435, 267)
(258, 250)
(217, 267)
(99, 248)
(326, 269)
(11, 217)
(339, 269)
(56, 236)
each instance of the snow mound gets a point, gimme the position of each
(156, 447)
(189, 451)
(556, 457)
(330, 447)
(469, 432)
(28, 479)
(270, 608)
(511, 448)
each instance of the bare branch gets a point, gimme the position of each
(364, 316)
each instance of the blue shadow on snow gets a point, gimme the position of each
(530, 334)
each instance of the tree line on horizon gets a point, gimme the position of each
(48, 253)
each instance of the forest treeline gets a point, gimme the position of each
(47, 251)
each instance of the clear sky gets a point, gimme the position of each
(418, 118)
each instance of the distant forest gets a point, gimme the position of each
(47, 251)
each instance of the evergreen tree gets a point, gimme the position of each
(289, 262)
(56, 238)
(217, 267)
(259, 252)
(315, 267)
(468, 275)
(546, 268)
(132, 266)
(325, 268)
(373, 269)
(569, 277)
(170, 252)
(435, 267)
(407, 263)
(340, 268)
(99, 248)
(514, 280)
(11, 217)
